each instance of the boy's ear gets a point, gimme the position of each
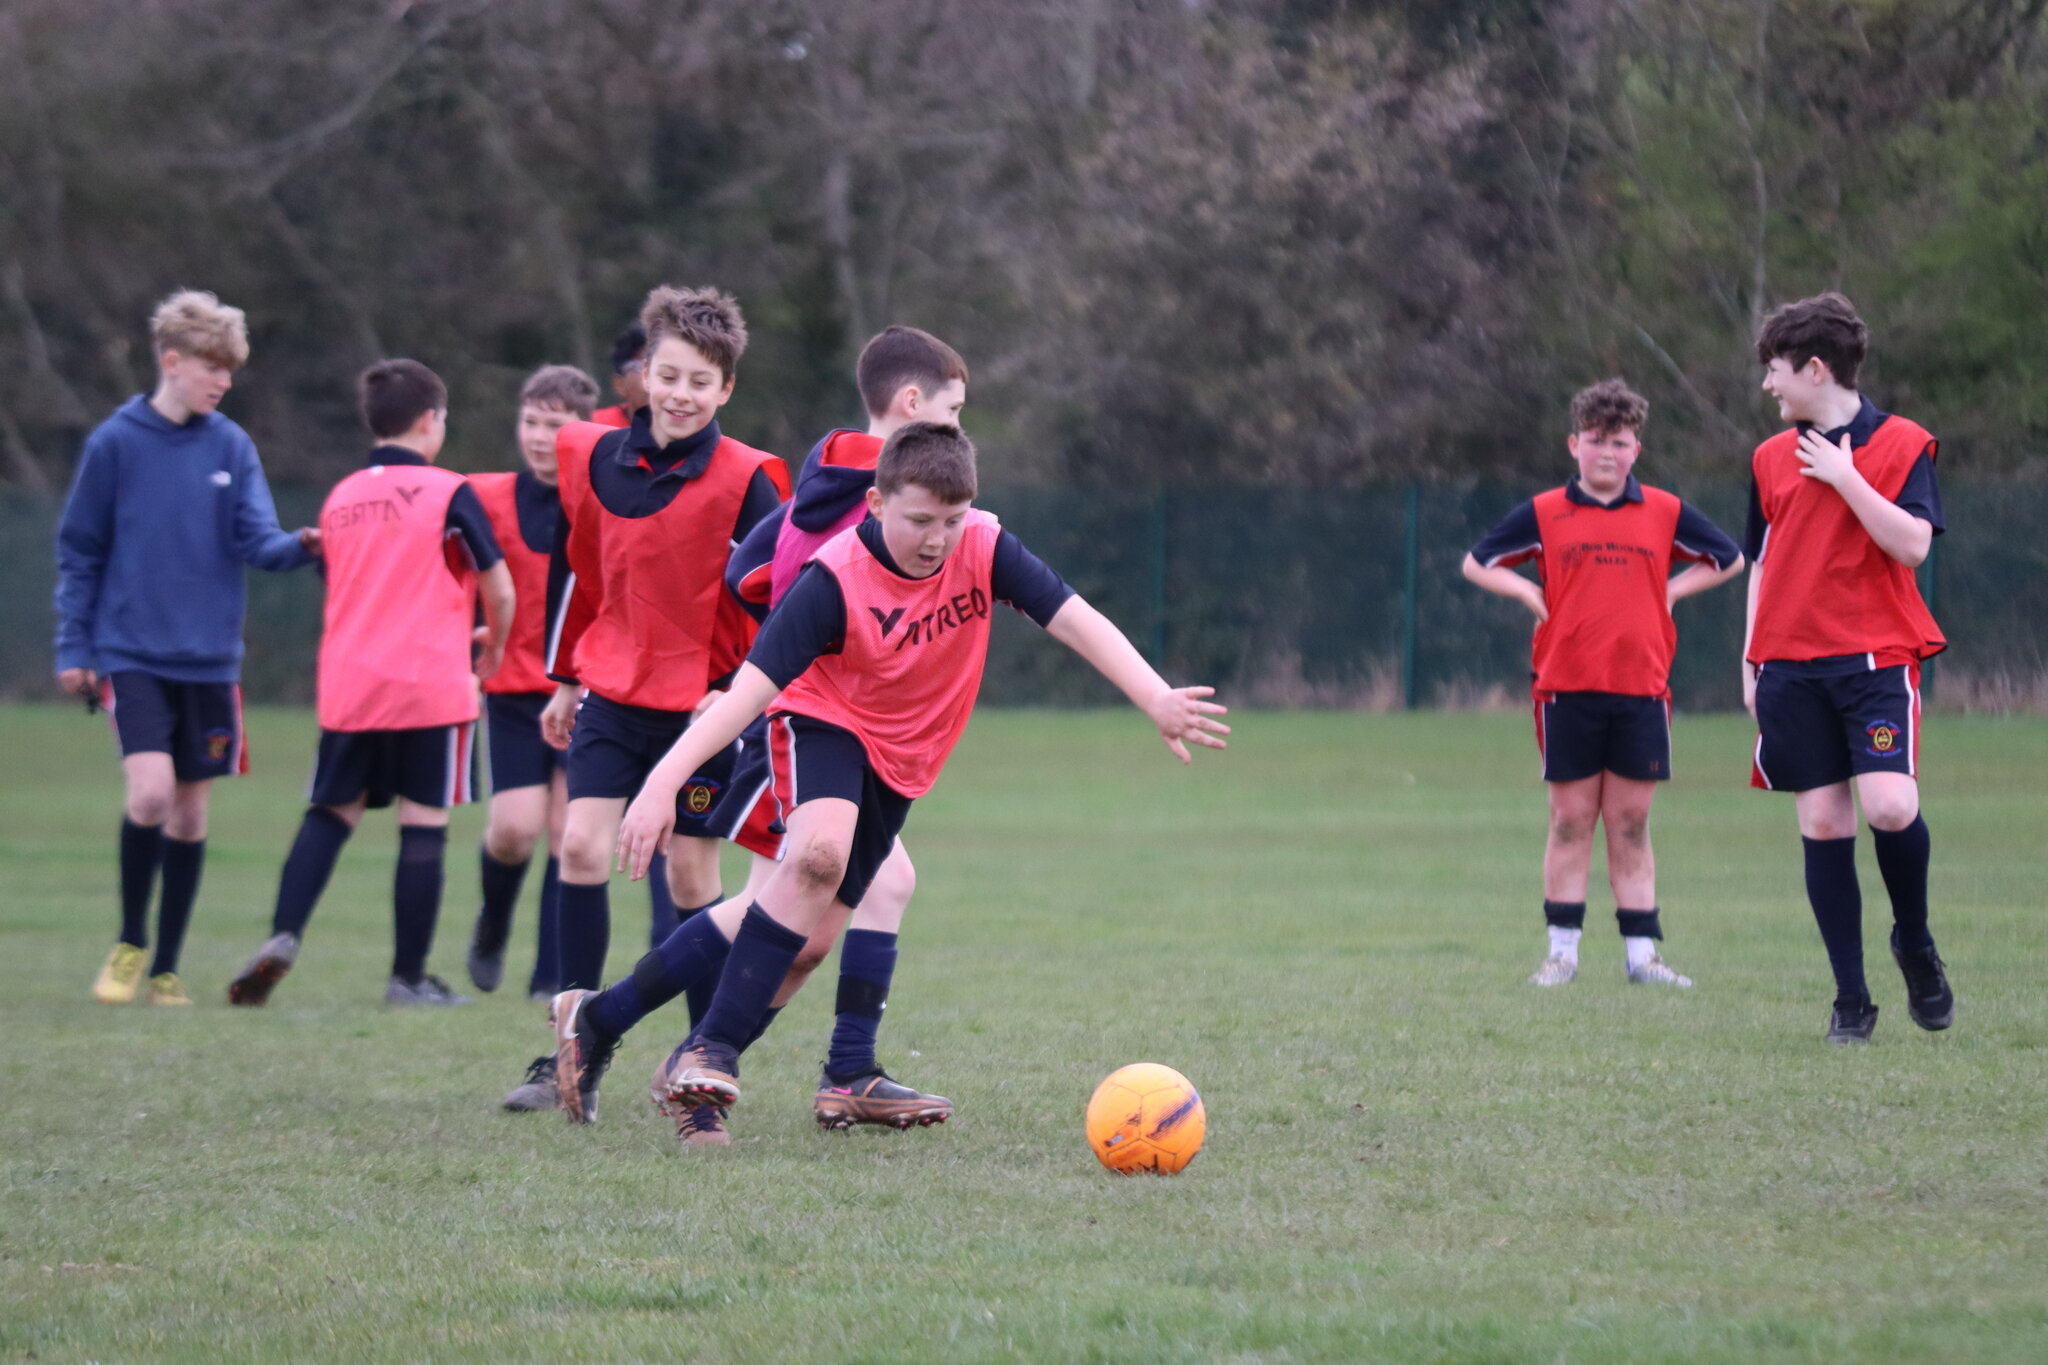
(874, 500)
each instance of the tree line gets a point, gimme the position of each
(1288, 242)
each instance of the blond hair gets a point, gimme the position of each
(194, 322)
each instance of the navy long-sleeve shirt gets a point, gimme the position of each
(159, 522)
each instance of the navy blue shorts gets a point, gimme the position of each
(811, 759)
(749, 813)
(1583, 734)
(1817, 731)
(199, 724)
(518, 756)
(431, 766)
(614, 746)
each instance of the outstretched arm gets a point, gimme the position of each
(652, 816)
(1505, 582)
(259, 541)
(1179, 712)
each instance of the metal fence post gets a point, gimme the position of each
(1411, 572)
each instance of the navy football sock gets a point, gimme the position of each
(501, 883)
(307, 868)
(142, 852)
(1902, 856)
(662, 915)
(694, 953)
(416, 898)
(585, 933)
(183, 860)
(761, 1029)
(867, 961)
(761, 956)
(1838, 910)
(698, 993)
(547, 953)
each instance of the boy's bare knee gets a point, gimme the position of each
(1890, 814)
(821, 864)
(1569, 827)
(585, 857)
(1631, 829)
(148, 806)
(509, 843)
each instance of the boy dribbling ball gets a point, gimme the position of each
(1603, 545)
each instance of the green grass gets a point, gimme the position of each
(1411, 1155)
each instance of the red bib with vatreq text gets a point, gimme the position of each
(1828, 589)
(1604, 571)
(661, 626)
(523, 670)
(394, 649)
(794, 546)
(906, 679)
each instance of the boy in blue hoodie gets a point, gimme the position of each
(168, 504)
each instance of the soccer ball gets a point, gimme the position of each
(1146, 1117)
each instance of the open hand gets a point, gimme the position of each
(1533, 599)
(649, 822)
(1829, 463)
(1182, 716)
(558, 718)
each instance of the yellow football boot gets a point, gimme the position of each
(120, 976)
(166, 989)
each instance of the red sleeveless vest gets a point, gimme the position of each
(523, 670)
(653, 625)
(394, 649)
(794, 546)
(906, 679)
(1604, 571)
(1828, 589)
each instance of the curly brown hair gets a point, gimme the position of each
(1609, 406)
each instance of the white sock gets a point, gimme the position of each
(1640, 950)
(1564, 943)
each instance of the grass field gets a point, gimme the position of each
(1411, 1155)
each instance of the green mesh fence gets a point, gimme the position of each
(1286, 597)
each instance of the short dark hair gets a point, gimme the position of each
(1610, 405)
(628, 346)
(708, 319)
(897, 356)
(933, 455)
(1825, 325)
(394, 394)
(560, 386)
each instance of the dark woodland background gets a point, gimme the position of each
(1181, 242)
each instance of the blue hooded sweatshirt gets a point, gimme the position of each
(824, 494)
(160, 520)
